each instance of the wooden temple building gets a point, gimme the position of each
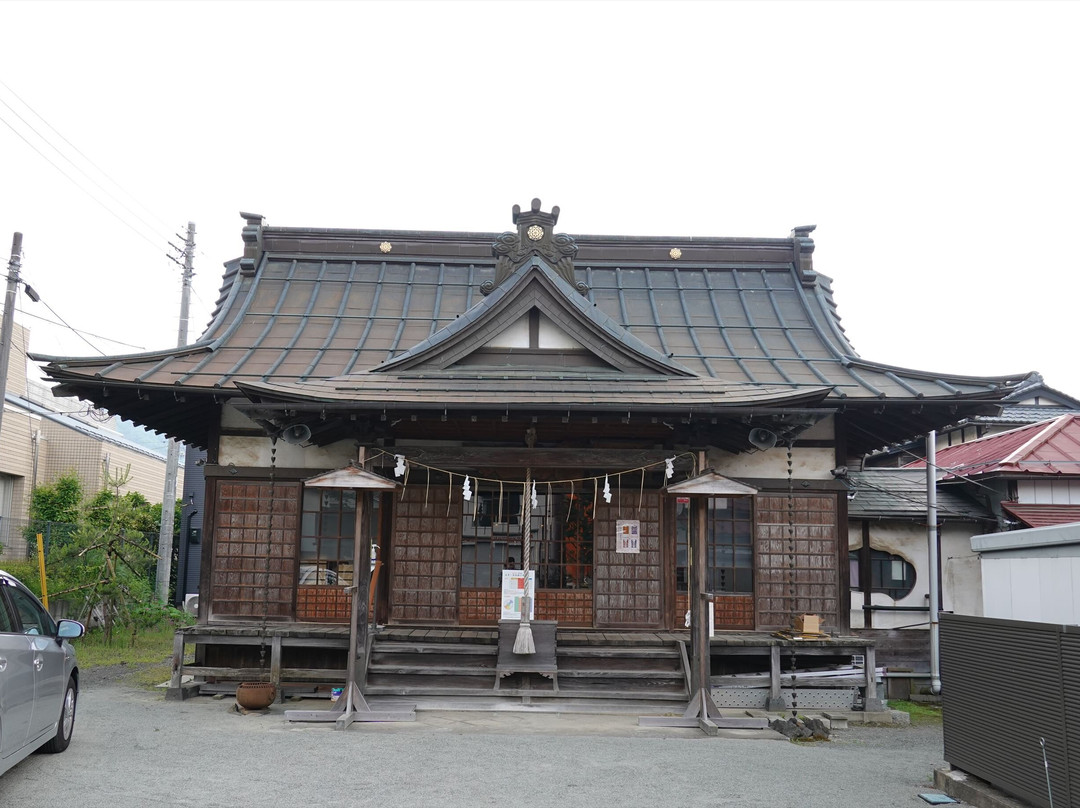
(483, 372)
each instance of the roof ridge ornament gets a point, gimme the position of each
(804, 253)
(253, 242)
(535, 236)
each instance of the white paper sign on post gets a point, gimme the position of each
(628, 536)
(513, 590)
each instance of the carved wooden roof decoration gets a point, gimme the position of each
(535, 236)
(733, 327)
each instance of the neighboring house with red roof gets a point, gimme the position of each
(1027, 477)
(1010, 481)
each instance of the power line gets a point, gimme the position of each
(26, 313)
(73, 329)
(79, 152)
(79, 169)
(113, 213)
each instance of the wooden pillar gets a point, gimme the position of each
(699, 620)
(275, 666)
(775, 702)
(871, 702)
(358, 629)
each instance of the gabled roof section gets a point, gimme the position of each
(1037, 515)
(534, 285)
(1030, 402)
(304, 306)
(901, 494)
(1045, 448)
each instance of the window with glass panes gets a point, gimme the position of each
(327, 533)
(730, 553)
(889, 574)
(561, 541)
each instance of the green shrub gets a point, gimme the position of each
(27, 572)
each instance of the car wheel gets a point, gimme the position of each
(67, 720)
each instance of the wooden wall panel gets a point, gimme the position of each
(323, 604)
(480, 607)
(796, 559)
(570, 607)
(732, 612)
(253, 572)
(426, 554)
(628, 587)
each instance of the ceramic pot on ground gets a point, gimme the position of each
(255, 695)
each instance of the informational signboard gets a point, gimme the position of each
(513, 590)
(628, 536)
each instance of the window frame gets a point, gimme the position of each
(340, 567)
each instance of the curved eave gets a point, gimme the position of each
(186, 415)
(535, 393)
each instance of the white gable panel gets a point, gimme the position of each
(553, 337)
(516, 335)
(550, 336)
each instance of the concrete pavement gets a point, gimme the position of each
(133, 749)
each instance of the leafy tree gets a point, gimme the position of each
(107, 563)
(58, 502)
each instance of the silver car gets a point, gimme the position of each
(39, 681)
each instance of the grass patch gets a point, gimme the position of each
(150, 646)
(920, 713)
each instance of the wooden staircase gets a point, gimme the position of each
(630, 666)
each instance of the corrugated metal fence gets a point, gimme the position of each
(1006, 684)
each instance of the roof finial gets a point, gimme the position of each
(535, 236)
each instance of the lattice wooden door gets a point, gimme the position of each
(425, 555)
(628, 586)
(797, 557)
(254, 567)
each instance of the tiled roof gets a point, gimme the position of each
(1049, 447)
(901, 494)
(1034, 515)
(1024, 415)
(316, 305)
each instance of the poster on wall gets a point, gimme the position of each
(628, 536)
(513, 590)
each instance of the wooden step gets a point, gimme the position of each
(661, 652)
(596, 673)
(402, 647)
(429, 670)
(604, 665)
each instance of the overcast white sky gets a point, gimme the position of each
(935, 145)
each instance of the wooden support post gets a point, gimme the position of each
(775, 703)
(177, 661)
(701, 712)
(352, 706)
(275, 665)
(361, 581)
(699, 621)
(178, 690)
(871, 702)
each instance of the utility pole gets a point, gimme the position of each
(9, 316)
(172, 457)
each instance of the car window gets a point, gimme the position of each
(7, 625)
(35, 620)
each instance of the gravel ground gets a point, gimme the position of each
(133, 749)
